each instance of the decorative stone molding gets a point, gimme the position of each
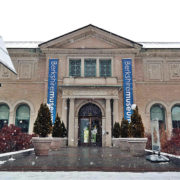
(153, 70)
(174, 70)
(26, 70)
(4, 72)
(96, 102)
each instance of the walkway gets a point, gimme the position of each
(87, 159)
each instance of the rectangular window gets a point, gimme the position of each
(90, 68)
(75, 67)
(105, 68)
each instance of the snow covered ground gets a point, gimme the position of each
(89, 176)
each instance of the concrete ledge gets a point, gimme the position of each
(16, 154)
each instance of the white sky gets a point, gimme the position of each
(42, 20)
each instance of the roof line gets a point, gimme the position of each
(86, 27)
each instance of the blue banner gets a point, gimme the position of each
(52, 87)
(127, 88)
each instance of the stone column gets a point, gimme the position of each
(71, 124)
(64, 111)
(169, 125)
(82, 67)
(97, 68)
(108, 123)
(76, 131)
(116, 111)
(103, 131)
(12, 117)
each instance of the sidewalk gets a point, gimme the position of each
(87, 159)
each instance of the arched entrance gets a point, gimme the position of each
(90, 125)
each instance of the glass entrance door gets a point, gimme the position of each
(90, 131)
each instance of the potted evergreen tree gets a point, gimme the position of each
(138, 142)
(120, 135)
(42, 127)
(59, 135)
(124, 145)
(116, 132)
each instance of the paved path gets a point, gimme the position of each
(88, 159)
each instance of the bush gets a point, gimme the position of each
(149, 141)
(172, 146)
(124, 128)
(64, 131)
(116, 130)
(136, 128)
(59, 129)
(43, 123)
(163, 136)
(12, 139)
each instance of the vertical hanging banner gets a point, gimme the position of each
(127, 88)
(52, 87)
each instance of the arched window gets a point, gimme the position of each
(90, 109)
(4, 115)
(158, 113)
(23, 117)
(176, 116)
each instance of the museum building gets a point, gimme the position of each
(91, 77)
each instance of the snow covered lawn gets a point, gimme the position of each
(89, 175)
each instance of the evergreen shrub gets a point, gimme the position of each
(136, 128)
(43, 123)
(172, 146)
(116, 130)
(59, 129)
(124, 128)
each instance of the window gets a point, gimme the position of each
(158, 113)
(90, 68)
(105, 68)
(75, 67)
(176, 116)
(4, 115)
(23, 117)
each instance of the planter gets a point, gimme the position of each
(121, 143)
(58, 143)
(137, 146)
(41, 145)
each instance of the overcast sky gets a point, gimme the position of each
(42, 20)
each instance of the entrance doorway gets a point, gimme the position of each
(90, 125)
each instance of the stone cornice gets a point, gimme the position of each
(90, 51)
(159, 53)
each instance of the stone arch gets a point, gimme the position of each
(24, 102)
(16, 105)
(148, 109)
(150, 104)
(173, 104)
(7, 103)
(93, 102)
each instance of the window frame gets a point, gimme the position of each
(23, 120)
(86, 60)
(70, 67)
(105, 60)
(5, 123)
(162, 121)
(176, 123)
